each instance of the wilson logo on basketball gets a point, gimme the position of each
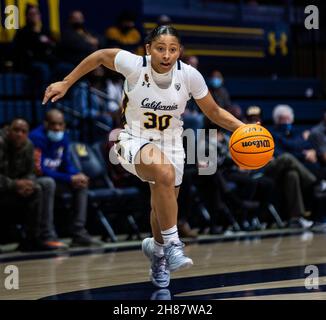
(257, 143)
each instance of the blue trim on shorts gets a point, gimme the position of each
(144, 61)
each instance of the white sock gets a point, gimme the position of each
(158, 249)
(170, 235)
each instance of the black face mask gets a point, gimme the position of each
(78, 25)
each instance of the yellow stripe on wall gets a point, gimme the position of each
(221, 29)
(54, 16)
(9, 34)
(226, 53)
(21, 7)
(1, 27)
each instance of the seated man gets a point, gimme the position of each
(292, 179)
(318, 140)
(19, 187)
(52, 160)
(288, 139)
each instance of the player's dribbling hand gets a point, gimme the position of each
(55, 91)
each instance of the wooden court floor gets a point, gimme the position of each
(248, 268)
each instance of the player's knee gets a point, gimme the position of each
(165, 176)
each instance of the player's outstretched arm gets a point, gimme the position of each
(218, 115)
(58, 89)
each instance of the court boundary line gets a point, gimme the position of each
(136, 245)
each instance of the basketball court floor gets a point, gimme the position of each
(274, 264)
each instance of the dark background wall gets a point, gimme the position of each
(305, 55)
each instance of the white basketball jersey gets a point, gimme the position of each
(150, 111)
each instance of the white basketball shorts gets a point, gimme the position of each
(127, 147)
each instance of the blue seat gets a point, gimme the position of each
(14, 84)
(23, 109)
(9, 88)
(14, 95)
(39, 111)
(102, 193)
(2, 113)
(279, 88)
(2, 84)
(9, 110)
(14, 109)
(22, 84)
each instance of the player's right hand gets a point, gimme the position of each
(55, 91)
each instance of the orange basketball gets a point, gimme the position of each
(251, 146)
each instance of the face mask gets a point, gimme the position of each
(286, 127)
(216, 82)
(55, 136)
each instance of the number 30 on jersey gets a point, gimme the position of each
(157, 122)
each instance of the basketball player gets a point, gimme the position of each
(157, 88)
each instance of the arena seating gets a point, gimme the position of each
(276, 89)
(103, 197)
(303, 95)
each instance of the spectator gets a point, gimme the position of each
(125, 35)
(34, 51)
(253, 114)
(221, 196)
(318, 140)
(91, 100)
(114, 91)
(289, 139)
(192, 117)
(19, 187)
(76, 41)
(52, 160)
(98, 99)
(294, 180)
(290, 176)
(218, 91)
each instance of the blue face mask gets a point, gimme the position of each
(216, 82)
(55, 136)
(286, 127)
